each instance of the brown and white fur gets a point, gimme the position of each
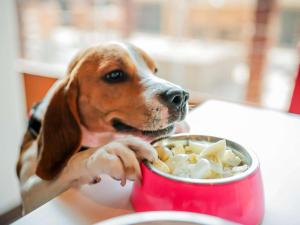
(110, 101)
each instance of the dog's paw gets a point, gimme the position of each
(120, 158)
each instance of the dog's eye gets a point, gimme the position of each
(115, 76)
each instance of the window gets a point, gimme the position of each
(203, 45)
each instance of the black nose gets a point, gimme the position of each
(175, 98)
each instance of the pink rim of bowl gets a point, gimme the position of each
(238, 198)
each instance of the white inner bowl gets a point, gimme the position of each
(248, 157)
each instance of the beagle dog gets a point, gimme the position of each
(98, 120)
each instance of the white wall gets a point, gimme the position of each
(12, 111)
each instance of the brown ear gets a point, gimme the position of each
(60, 134)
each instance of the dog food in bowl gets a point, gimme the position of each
(199, 160)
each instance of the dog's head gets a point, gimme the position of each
(110, 87)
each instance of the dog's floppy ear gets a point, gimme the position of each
(60, 134)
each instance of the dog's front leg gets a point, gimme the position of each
(118, 159)
(34, 190)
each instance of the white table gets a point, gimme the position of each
(274, 136)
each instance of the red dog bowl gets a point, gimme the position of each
(238, 198)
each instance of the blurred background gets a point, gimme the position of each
(230, 49)
(241, 51)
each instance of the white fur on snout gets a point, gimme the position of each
(153, 86)
(158, 113)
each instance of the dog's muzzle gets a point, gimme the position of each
(176, 101)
